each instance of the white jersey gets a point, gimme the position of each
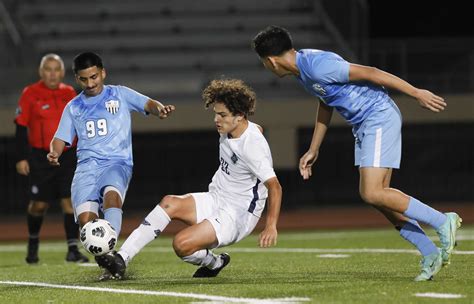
(245, 165)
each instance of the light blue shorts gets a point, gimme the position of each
(91, 178)
(378, 140)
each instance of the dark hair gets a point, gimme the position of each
(239, 98)
(86, 60)
(272, 41)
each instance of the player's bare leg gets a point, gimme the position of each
(192, 246)
(375, 190)
(171, 207)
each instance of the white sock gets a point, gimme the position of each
(155, 222)
(204, 257)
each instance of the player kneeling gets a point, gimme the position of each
(230, 210)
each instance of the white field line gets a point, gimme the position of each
(439, 295)
(60, 248)
(220, 299)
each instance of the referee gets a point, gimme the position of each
(39, 111)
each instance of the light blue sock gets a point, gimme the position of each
(423, 213)
(114, 217)
(413, 233)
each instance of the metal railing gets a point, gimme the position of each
(10, 26)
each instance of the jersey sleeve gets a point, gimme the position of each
(329, 68)
(136, 101)
(23, 111)
(258, 158)
(66, 130)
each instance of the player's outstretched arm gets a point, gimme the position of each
(158, 109)
(323, 118)
(425, 98)
(56, 148)
(268, 237)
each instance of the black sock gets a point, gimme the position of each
(72, 231)
(34, 226)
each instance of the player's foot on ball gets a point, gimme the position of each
(204, 272)
(76, 256)
(114, 263)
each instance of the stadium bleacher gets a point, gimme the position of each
(172, 48)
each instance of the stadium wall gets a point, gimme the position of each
(180, 155)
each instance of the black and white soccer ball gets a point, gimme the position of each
(98, 237)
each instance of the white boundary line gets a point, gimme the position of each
(439, 295)
(161, 293)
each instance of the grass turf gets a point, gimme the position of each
(348, 276)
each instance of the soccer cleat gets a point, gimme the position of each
(76, 256)
(447, 236)
(430, 266)
(113, 263)
(204, 272)
(106, 276)
(32, 255)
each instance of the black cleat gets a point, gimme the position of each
(112, 262)
(32, 259)
(204, 272)
(76, 256)
(32, 255)
(106, 276)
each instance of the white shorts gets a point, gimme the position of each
(230, 225)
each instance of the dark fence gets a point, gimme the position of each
(437, 166)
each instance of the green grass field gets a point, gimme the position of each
(363, 266)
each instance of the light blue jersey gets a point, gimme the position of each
(326, 76)
(375, 118)
(102, 124)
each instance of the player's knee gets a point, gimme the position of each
(182, 246)
(170, 204)
(370, 197)
(66, 206)
(37, 208)
(112, 199)
(86, 217)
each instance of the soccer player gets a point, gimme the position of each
(39, 111)
(100, 119)
(231, 208)
(358, 93)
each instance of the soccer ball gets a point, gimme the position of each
(98, 237)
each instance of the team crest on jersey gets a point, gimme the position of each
(234, 158)
(112, 106)
(319, 89)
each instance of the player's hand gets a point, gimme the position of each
(166, 111)
(23, 167)
(53, 158)
(430, 101)
(306, 162)
(268, 237)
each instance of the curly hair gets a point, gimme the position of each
(239, 98)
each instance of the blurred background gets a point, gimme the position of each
(170, 50)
